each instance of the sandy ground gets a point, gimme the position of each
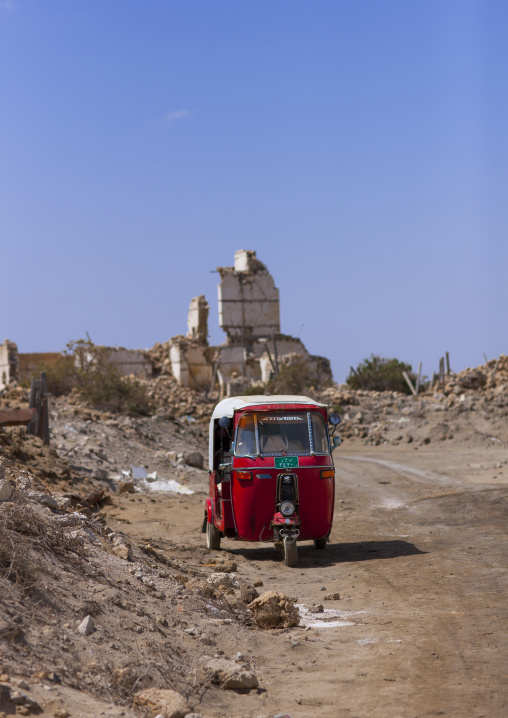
(418, 554)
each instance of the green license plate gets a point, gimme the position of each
(286, 462)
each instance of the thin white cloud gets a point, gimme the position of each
(7, 5)
(175, 115)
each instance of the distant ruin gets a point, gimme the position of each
(9, 363)
(254, 350)
(249, 313)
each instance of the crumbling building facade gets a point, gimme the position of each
(9, 363)
(249, 313)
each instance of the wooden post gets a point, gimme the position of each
(409, 382)
(271, 360)
(418, 380)
(275, 355)
(44, 410)
(442, 373)
(39, 425)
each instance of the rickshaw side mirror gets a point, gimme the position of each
(337, 441)
(334, 420)
(224, 421)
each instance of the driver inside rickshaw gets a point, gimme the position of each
(287, 436)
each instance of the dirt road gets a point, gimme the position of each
(418, 554)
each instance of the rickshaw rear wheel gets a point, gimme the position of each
(290, 552)
(321, 543)
(212, 537)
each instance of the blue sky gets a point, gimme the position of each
(359, 147)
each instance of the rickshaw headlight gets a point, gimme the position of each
(287, 508)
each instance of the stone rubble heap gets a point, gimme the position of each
(107, 594)
(472, 405)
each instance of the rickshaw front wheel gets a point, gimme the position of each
(290, 552)
(321, 542)
(212, 537)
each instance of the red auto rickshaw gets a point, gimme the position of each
(272, 476)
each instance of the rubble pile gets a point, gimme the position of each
(249, 313)
(472, 405)
(274, 610)
(158, 356)
(85, 608)
(173, 400)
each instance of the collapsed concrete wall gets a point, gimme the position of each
(197, 320)
(191, 362)
(131, 362)
(248, 299)
(9, 363)
(31, 363)
(249, 313)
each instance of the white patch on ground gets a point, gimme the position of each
(366, 641)
(391, 504)
(163, 485)
(330, 618)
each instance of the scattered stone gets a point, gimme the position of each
(316, 608)
(194, 458)
(64, 502)
(61, 713)
(239, 680)
(228, 675)
(87, 626)
(248, 593)
(21, 701)
(122, 550)
(70, 520)
(222, 579)
(229, 567)
(126, 487)
(23, 482)
(258, 583)
(94, 498)
(23, 685)
(6, 490)
(41, 498)
(274, 610)
(332, 597)
(89, 534)
(167, 703)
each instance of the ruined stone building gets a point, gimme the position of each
(255, 348)
(8, 363)
(249, 313)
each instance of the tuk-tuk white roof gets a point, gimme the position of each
(227, 407)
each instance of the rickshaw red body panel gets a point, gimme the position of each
(244, 508)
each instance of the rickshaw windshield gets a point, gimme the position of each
(281, 434)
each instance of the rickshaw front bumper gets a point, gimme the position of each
(285, 527)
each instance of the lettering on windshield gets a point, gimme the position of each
(282, 418)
